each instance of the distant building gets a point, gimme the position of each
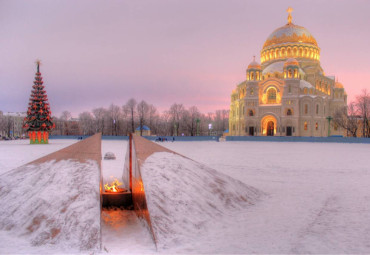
(288, 94)
(146, 131)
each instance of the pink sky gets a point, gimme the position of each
(194, 52)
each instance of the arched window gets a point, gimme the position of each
(289, 52)
(251, 113)
(295, 73)
(305, 91)
(290, 73)
(271, 96)
(306, 109)
(317, 109)
(252, 92)
(252, 76)
(289, 89)
(305, 125)
(289, 112)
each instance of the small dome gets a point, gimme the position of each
(254, 65)
(339, 85)
(144, 128)
(291, 62)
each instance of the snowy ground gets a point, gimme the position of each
(15, 153)
(318, 197)
(52, 206)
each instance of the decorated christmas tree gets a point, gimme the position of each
(38, 122)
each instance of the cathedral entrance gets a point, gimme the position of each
(270, 128)
(251, 131)
(288, 131)
(268, 125)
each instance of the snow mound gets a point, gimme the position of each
(185, 198)
(53, 204)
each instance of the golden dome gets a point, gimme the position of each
(290, 33)
(290, 41)
(254, 65)
(338, 85)
(291, 62)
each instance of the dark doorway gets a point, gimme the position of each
(251, 131)
(289, 131)
(270, 128)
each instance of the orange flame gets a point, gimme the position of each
(114, 187)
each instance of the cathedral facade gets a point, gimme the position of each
(288, 94)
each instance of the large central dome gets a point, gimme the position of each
(290, 41)
(290, 33)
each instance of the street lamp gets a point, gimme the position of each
(329, 118)
(198, 121)
(210, 127)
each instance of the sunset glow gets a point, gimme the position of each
(95, 53)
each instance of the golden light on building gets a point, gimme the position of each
(273, 98)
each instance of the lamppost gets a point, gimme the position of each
(198, 121)
(329, 118)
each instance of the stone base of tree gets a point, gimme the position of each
(39, 137)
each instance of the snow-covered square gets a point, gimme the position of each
(314, 199)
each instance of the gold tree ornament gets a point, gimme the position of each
(289, 11)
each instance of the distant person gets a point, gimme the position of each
(173, 139)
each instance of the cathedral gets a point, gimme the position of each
(288, 94)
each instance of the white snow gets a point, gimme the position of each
(318, 200)
(15, 153)
(305, 84)
(124, 233)
(53, 206)
(186, 198)
(319, 195)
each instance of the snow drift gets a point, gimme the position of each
(186, 198)
(52, 204)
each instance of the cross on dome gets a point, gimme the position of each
(289, 10)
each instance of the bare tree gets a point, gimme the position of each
(130, 107)
(221, 121)
(114, 117)
(142, 112)
(100, 115)
(125, 120)
(176, 111)
(86, 123)
(152, 117)
(191, 116)
(346, 118)
(363, 110)
(65, 118)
